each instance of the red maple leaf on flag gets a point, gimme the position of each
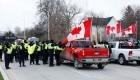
(113, 28)
(128, 29)
(76, 30)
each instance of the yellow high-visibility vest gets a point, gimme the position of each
(1, 47)
(39, 48)
(57, 48)
(9, 50)
(20, 46)
(46, 46)
(50, 46)
(14, 46)
(31, 49)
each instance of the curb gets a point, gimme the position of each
(5, 76)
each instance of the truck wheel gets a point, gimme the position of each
(100, 66)
(122, 60)
(138, 62)
(77, 64)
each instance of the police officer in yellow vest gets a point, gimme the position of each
(51, 52)
(14, 53)
(21, 55)
(8, 51)
(45, 53)
(37, 53)
(31, 51)
(26, 47)
(57, 50)
(1, 51)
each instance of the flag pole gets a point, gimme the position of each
(91, 38)
(136, 30)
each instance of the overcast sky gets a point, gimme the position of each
(15, 13)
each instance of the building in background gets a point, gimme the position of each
(99, 28)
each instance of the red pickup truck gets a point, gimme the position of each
(83, 54)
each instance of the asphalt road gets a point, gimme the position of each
(68, 72)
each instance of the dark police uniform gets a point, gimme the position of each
(45, 53)
(51, 53)
(37, 54)
(21, 55)
(1, 51)
(57, 51)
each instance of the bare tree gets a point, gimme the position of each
(59, 15)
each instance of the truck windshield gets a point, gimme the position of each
(83, 44)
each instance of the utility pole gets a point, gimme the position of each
(48, 21)
(48, 25)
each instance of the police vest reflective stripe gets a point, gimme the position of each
(50, 46)
(39, 48)
(31, 49)
(46, 46)
(1, 47)
(9, 50)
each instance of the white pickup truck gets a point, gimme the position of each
(125, 52)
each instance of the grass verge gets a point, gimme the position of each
(1, 78)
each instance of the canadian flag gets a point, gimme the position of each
(130, 30)
(81, 31)
(113, 27)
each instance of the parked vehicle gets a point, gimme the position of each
(125, 51)
(83, 54)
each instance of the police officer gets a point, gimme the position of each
(31, 50)
(57, 50)
(37, 53)
(51, 53)
(8, 51)
(14, 46)
(45, 52)
(26, 47)
(21, 54)
(1, 51)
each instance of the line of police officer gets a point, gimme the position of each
(45, 51)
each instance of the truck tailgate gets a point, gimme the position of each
(136, 52)
(96, 52)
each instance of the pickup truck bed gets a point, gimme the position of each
(82, 53)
